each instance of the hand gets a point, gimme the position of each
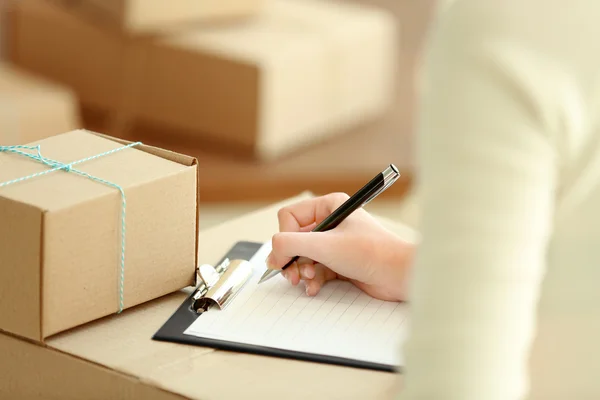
(360, 250)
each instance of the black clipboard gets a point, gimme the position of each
(172, 330)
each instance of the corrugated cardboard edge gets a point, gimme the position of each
(26, 364)
(172, 156)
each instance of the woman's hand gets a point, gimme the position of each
(360, 250)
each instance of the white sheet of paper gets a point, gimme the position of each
(341, 321)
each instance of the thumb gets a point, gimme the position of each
(287, 245)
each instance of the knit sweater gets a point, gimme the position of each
(505, 296)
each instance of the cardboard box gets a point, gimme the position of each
(115, 357)
(73, 249)
(33, 108)
(146, 16)
(55, 44)
(260, 88)
(299, 73)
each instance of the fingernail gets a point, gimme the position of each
(308, 272)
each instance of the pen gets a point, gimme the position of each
(376, 186)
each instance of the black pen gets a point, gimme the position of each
(376, 186)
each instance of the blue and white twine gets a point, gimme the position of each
(58, 166)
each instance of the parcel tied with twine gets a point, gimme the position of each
(91, 225)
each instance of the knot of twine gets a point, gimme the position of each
(26, 151)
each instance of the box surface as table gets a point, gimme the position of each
(115, 230)
(119, 349)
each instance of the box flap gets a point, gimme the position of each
(157, 151)
(124, 342)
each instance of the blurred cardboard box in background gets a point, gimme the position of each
(67, 258)
(33, 108)
(300, 72)
(55, 40)
(291, 75)
(52, 42)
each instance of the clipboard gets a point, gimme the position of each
(172, 330)
(222, 292)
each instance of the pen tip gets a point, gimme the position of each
(267, 275)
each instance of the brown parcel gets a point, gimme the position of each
(32, 108)
(146, 16)
(47, 40)
(299, 73)
(282, 80)
(60, 237)
(115, 358)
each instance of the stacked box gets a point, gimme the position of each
(300, 73)
(33, 108)
(50, 41)
(294, 74)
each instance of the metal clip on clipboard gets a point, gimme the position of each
(219, 285)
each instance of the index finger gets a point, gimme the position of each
(296, 217)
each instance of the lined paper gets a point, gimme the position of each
(341, 321)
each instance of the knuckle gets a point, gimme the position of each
(277, 241)
(282, 212)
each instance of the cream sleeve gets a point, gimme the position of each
(486, 175)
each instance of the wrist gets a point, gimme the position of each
(398, 260)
